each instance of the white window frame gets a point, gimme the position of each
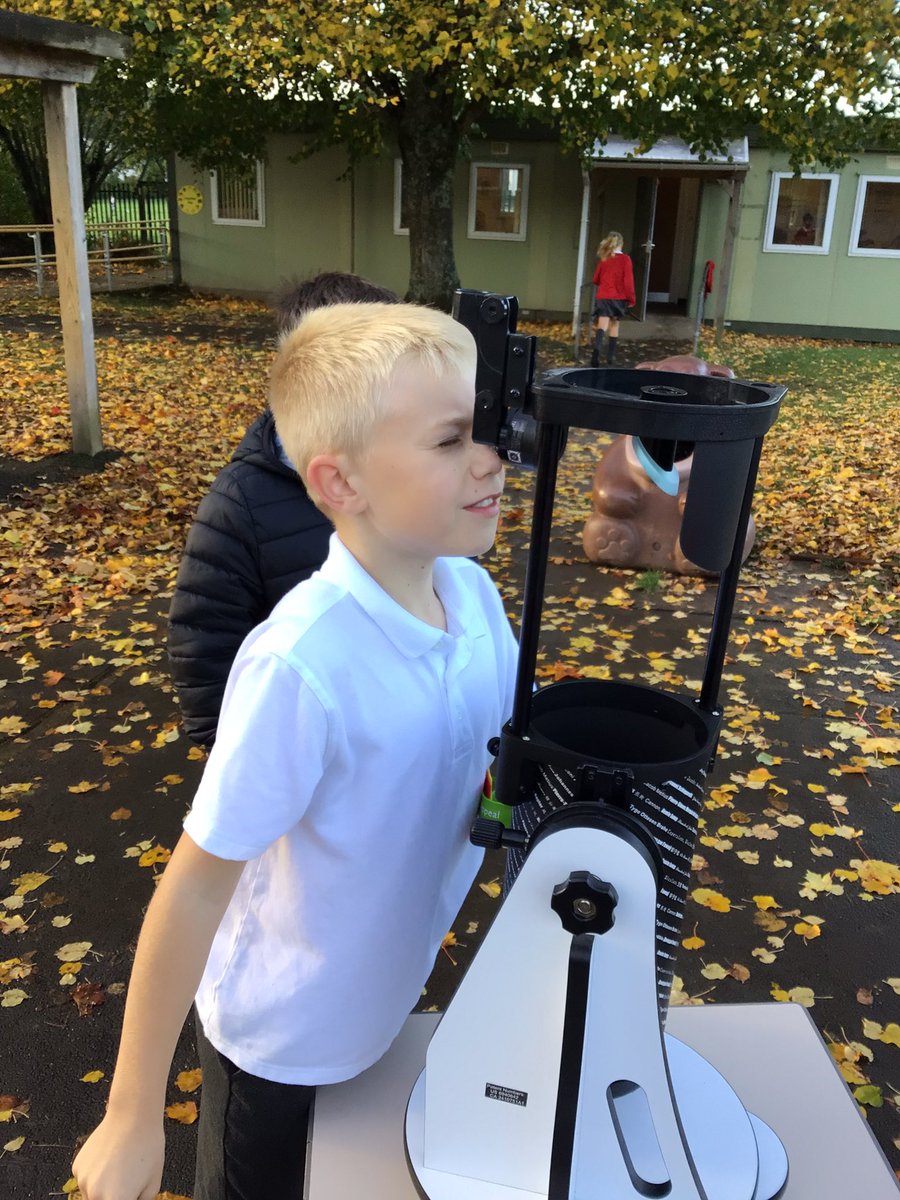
(260, 200)
(769, 247)
(868, 251)
(521, 236)
(401, 230)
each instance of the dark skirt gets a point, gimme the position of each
(609, 308)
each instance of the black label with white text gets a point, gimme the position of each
(493, 1091)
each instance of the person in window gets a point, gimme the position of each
(806, 234)
(255, 535)
(614, 277)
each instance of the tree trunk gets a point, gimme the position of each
(29, 158)
(429, 133)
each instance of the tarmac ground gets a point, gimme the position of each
(791, 902)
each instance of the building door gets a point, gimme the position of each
(664, 232)
(642, 240)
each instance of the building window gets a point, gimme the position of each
(876, 218)
(801, 212)
(401, 211)
(238, 196)
(498, 201)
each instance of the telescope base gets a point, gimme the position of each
(735, 1154)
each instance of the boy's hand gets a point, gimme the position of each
(121, 1160)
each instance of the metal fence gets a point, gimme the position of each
(130, 207)
(120, 254)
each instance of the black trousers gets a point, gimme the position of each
(251, 1142)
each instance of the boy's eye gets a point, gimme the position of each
(454, 440)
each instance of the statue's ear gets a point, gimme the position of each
(712, 507)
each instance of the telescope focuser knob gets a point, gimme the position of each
(585, 903)
(493, 835)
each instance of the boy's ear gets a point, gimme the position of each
(329, 476)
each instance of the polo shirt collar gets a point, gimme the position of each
(411, 636)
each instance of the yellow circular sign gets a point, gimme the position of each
(190, 198)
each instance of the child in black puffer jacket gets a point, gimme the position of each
(255, 536)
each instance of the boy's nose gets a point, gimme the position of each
(486, 460)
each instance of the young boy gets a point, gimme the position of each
(326, 852)
(256, 535)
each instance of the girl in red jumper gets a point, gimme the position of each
(614, 277)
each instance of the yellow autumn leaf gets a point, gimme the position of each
(806, 931)
(14, 1144)
(876, 876)
(851, 1073)
(73, 951)
(714, 971)
(765, 902)
(879, 745)
(189, 1081)
(711, 899)
(891, 1034)
(583, 643)
(12, 725)
(802, 995)
(12, 998)
(12, 1107)
(693, 943)
(156, 854)
(184, 1112)
(93, 1077)
(29, 882)
(491, 889)
(796, 995)
(758, 777)
(819, 829)
(83, 786)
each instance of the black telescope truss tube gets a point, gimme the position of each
(551, 439)
(528, 424)
(725, 595)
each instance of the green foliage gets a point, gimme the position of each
(649, 581)
(13, 203)
(419, 74)
(701, 71)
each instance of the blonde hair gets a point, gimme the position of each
(330, 381)
(610, 244)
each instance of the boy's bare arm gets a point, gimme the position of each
(123, 1157)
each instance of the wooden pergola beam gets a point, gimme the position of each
(61, 55)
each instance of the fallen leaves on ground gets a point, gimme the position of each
(793, 887)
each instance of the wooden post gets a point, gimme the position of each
(67, 199)
(734, 187)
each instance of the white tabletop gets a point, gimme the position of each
(771, 1054)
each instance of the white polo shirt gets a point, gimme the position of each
(347, 768)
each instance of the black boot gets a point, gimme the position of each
(595, 353)
(611, 350)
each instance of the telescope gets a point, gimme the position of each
(572, 1089)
